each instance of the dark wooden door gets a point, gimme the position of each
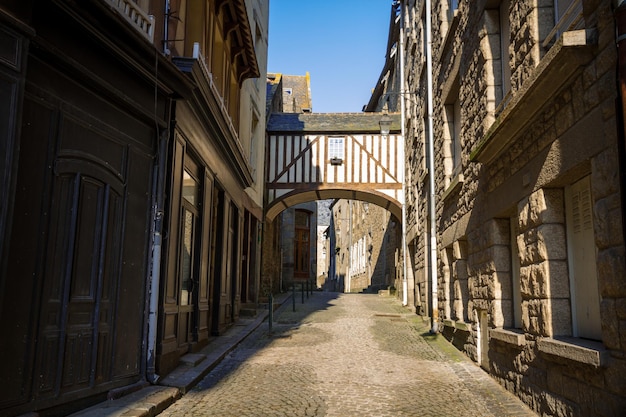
(302, 250)
(78, 253)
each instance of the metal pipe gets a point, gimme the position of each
(620, 23)
(405, 285)
(431, 172)
(166, 49)
(155, 277)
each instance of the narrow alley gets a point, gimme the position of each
(347, 355)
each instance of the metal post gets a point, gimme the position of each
(293, 295)
(271, 312)
(302, 291)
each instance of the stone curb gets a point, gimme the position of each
(153, 399)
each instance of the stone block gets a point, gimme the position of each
(501, 257)
(502, 285)
(558, 406)
(528, 285)
(459, 249)
(547, 279)
(550, 317)
(559, 315)
(527, 248)
(620, 308)
(546, 206)
(610, 324)
(501, 313)
(498, 232)
(523, 217)
(551, 242)
(611, 272)
(608, 221)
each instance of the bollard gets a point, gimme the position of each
(293, 295)
(302, 291)
(271, 316)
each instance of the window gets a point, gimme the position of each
(453, 6)
(582, 261)
(336, 150)
(516, 302)
(452, 134)
(568, 15)
(190, 221)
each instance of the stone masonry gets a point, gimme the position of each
(531, 264)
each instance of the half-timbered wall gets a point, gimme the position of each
(368, 166)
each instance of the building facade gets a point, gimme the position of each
(292, 257)
(514, 137)
(365, 251)
(214, 195)
(130, 162)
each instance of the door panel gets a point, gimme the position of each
(86, 221)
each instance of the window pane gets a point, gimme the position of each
(191, 189)
(185, 293)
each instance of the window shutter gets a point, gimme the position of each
(582, 261)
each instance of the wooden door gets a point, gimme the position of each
(302, 245)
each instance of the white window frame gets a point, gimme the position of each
(336, 149)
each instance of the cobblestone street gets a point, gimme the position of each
(346, 355)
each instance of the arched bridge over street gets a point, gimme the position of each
(318, 156)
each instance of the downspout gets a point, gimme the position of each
(620, 23)
(405, 286)
(431, 173)
(347, 285)
(166, 34)
(155, 280)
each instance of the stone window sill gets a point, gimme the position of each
(512, 337)
(459, 325)
(578, 350)
(455, 184)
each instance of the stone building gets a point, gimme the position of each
(366, 251)
(514, 202)
(293, 255)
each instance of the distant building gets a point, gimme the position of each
(293, 258)
(365, 250)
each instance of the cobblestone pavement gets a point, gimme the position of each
(347, 355)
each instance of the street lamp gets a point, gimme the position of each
(385, 124)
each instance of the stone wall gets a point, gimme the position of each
(367, 245)
(505, 269)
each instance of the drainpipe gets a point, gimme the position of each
(166, 23)
(405, 286)
(155, 278)
(620, 22)
(347, 285)
(431, 173)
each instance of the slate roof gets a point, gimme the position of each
(330, 122)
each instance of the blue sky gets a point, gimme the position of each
(341, 43)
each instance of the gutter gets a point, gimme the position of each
(431, 172)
